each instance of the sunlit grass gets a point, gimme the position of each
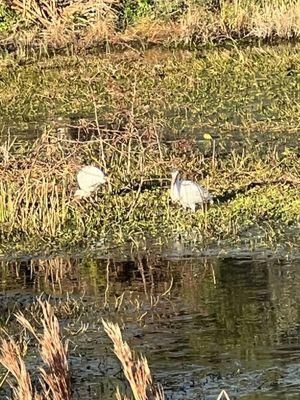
(168, 23)
(146, 117)
(37, 204)
(252, 90)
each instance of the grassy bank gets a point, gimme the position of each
(250, 187)
(84, 24)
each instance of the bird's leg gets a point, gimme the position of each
(182, 203)
(193, 207)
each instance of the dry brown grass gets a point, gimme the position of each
(281, 20)
(136, 370)
(87, 23)
(237, 19)
(12, 360)
(61, 25)
(240, 19)
(55, 380)
(151, 30)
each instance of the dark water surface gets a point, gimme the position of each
(204, 322)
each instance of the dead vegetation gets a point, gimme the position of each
(136, 369)
(85, 23)
(54, 379)
(12, 360)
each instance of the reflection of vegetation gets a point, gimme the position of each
(253, 306)
(207, 312)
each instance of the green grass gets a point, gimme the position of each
(229, 89)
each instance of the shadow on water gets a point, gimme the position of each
(204, 323)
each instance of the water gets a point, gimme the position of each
(204, 322)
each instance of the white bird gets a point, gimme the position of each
(188, 193)
(89, 179)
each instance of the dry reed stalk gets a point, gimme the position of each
(281, 19)
(11, 359)
(56, 381)
(43, 12)
(136, 370)
(119, 396)
(223, 394)
(151, 30)
(239, 19)
(60, 24)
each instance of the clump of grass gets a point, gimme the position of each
(136, 370)
(11, 359)
(55, 379)
(59, 25)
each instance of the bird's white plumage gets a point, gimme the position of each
(89, 179)
(188, 193)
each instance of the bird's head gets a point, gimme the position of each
(104, 178)
(174, 175)
(79, 194)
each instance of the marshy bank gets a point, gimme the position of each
(227, 118)
(252, 188)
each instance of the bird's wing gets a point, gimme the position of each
(89, 178)
(192, 192)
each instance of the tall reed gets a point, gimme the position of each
(136, 369)
(54, 379)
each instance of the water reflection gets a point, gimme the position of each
(205, 323)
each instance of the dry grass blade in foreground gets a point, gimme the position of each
(11, 359)
(55, 380)
(136, 369)
(54, 354)
(223, 395)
